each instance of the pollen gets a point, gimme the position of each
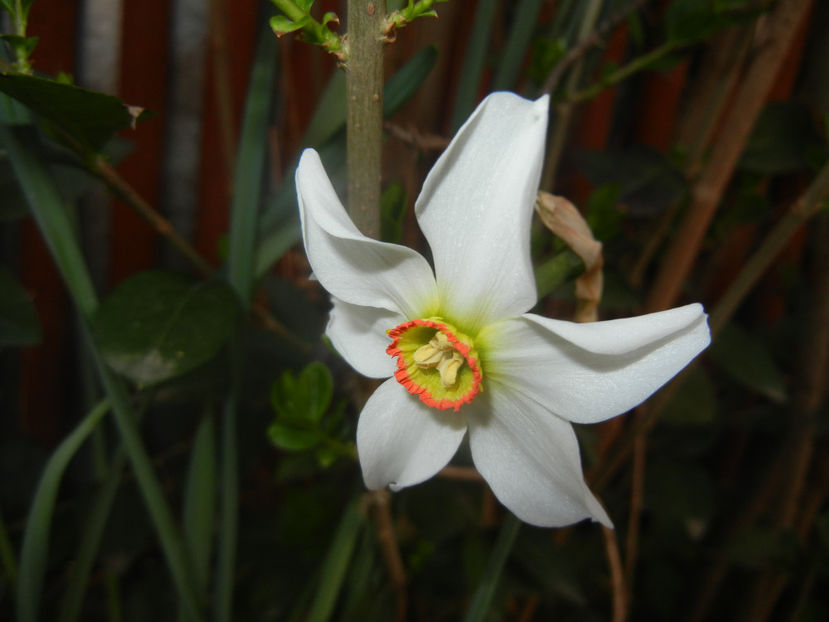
(436, 362)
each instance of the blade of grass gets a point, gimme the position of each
(93, 531)
(481, 601)
(336, 563)
(519, 40)
(250, 166)
(200, 502)
(46, 206)
(35, 549)
(473, 62)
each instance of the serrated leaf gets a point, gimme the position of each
(19, 324)
(87, 118)
(748, 361)
(157, 325)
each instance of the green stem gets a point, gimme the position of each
(289, 8)
(364, 96)
(620, 74)
(481, 601)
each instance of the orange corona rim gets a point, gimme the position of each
(436, 362)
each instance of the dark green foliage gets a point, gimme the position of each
(158, 325)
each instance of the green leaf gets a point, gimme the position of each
(249, 171)
(158, 325)
(293, 438)
(281, 25)
(304, 398)
(477, 50)
(35, 549)
(86, 118)
(200, 503)
(748, 361)
(19, 324)
(336, 563)
(23, 46)
(401, 86)
(524, 24)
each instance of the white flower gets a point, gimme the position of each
(457, 345)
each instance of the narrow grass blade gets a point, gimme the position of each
(250, 166)
(481, 601)
(200, 501)
(474, 61)
(93, 531)
(44, 201)
(336, 564)
(35, 549)
(520, 36)
(52, 219)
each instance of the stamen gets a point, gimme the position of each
(436, 362)
(440, 353)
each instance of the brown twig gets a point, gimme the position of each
(707, 193)
(595, 38)
(617, 578)
(120, 187)
(464, 474)
(420, 141)
(637, 487)
(800, 447)
(387, 540)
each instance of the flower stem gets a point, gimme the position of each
(364, 89)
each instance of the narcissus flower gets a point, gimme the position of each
(460, 351)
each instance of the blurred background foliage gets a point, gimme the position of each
(176, 438)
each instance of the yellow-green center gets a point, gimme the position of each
(436, 362)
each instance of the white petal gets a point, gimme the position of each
(401, 441)
(475, 210)
(530, 459)
(354, 268)
(590, 372)
(359, 335)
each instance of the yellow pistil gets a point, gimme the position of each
(440, 353)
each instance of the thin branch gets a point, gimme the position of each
(595, 38)
(617, 579)
(387, 540)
